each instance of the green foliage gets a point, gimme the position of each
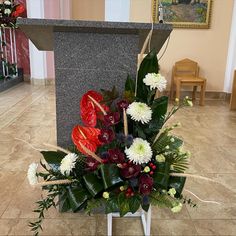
(109, 95)
(123, 203)
(166, 140)
(177, 183)
(148, 65)
(53, 158)
(159, 109)
(93, 183)
(94, 203)
(162, 200)
(161, 175)
(110, 175)
(179, 162)
(43, 205)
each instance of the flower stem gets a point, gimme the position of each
(98, 105)
(125, 123)
(90, 153)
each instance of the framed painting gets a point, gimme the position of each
(183, 13)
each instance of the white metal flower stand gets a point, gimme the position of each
(145, 217)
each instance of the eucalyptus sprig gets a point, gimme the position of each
(43, 205)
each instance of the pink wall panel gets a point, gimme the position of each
(23, 47)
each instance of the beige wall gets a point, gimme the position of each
(88, 10)
(209, 47)
(140, 10)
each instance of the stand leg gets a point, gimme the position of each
(149, 218)
(109, 224)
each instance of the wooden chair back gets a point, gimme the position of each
(186, 68)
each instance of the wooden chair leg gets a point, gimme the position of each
(202, 95)
(178, 89)
(194, 93)
(172, 91)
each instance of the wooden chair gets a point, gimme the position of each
(186, 73)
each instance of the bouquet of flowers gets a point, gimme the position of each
(9, 11)
(123, 157)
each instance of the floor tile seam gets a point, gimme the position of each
(65, 218)
(24, 95)
(17, 103)
(22, 112)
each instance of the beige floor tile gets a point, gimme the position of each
(215, 227)
(173, 227)
(28, 112)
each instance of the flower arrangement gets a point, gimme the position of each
(9, 11)
(124, 157)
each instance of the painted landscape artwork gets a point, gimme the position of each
(187, 13)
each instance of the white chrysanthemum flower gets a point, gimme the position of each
(68, 163)
(7, 2)
(31, 174)
(155, 81)
(139, 152)
(139, 112)
(177, 208)
(7, 11)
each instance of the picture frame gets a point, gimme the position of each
(193, 14)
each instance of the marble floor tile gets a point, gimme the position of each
(28, 112)
(215, 227)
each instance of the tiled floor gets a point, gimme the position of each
(28, 112)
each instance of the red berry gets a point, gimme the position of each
(151, 172)
(151, 164)
(127, 195)
(132, 194)
(129, 190)
(154, 167)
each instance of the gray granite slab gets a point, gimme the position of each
(40, 31)
(88, 62)
(89, 55)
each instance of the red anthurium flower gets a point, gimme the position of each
(90, 108)
(86, 136)
(19, 10)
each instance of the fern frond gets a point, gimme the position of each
(162, 200)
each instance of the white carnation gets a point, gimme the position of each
(7, 11)
(139, 152)
(68, 163)
(31, 174)
(155, 81)
(7, 2)
(139, 112)
(177, 208)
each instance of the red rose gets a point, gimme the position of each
(145, 184)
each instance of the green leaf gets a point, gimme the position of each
(134, 203)
(110, 175)
(77, 197)
(161, 175)
(110, 95)
(53, 158)
(177, 183)
(112, 205)
(148, 65)
(145, 207)
(93, 183)
(123, 204)
(130, 84)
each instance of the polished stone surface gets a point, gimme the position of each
(28, 112)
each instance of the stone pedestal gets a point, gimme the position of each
(89, 56)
